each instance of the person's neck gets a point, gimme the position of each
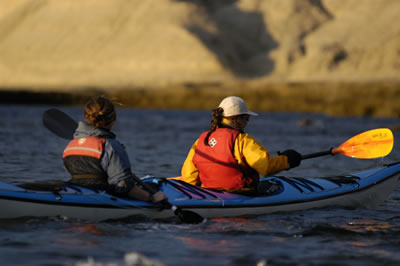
(230, 124)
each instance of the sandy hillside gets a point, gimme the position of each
(133, 43)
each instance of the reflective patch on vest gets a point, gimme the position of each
(212, 142)
(83, 149)
(89, 146)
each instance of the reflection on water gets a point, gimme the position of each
(87, 228)
(157, 142)
(365, 225)
(207, 245)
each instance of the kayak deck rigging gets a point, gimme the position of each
(366, 188)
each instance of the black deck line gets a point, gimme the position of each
(342, 180)
(193, 189)
(309, 182)
(298, 182)
(295, 184)
(181, 190)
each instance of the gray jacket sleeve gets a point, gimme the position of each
(116, 163)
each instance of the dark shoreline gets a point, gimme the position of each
(372, 99)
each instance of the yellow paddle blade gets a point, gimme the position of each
(370, 144)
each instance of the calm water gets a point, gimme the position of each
(157, 142)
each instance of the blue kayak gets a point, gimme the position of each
(365, 189)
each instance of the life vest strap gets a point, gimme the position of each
(86, 176)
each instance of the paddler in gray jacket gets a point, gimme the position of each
(95, 159)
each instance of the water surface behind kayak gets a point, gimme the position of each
(157, 142)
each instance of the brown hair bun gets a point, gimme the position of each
(100, 112)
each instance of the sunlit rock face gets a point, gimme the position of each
(127, 44)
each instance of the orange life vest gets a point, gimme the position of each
(82, 158)
(89, 146)
(216, 163)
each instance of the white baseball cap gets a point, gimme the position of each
(234, 105)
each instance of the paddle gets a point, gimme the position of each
(59, 123)
(64, 126)
(370, 144)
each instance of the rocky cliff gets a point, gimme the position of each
(128, 44)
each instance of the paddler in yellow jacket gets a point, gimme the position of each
(226, 158)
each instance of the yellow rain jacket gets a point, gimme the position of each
(246, 148)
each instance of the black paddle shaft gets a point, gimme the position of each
(317, 154)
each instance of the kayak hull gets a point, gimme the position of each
(30, 209)
(364, 189)
(369, 198)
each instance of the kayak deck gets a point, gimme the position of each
(366, 188)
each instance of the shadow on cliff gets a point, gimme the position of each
(239, 39)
